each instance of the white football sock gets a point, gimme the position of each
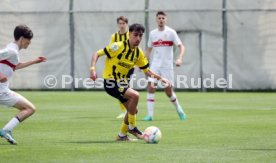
(150, 104)
(121, 134)
(11, 124)
(174, 100)
(130, 127)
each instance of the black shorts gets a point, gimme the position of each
(116, 90)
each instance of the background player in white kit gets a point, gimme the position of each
(9, 62)
(160, 45)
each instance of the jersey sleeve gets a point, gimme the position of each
(111, 50)
(176, 39)
(6, 53)
(142, 62)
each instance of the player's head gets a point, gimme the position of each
(122, 23)
(23, 35)
(136, 32)
(161, 18)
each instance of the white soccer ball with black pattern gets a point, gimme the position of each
(152, 135)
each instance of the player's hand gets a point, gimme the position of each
(166, 82)
(3, 78)
(40, 59)
(178, 62)
(93, 75)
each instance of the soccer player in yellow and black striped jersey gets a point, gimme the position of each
(121, 57)
(122, 35)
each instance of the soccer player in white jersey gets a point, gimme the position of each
(160, 46)
(9, 62)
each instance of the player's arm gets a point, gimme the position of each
(3, 78)
(110, 51)
(94, 60)
(149, 49)
(143, 64)
(29, 63)
(148, 52)
(152, 74)
(181, 48)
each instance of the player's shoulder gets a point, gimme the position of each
(113, 35)
(12, 48)
(169, 29)
(154, 31)
(140, 50)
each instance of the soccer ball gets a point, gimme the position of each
(152, 135)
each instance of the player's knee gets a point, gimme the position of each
(151, 88)
(135, 96)
(31, 109)
(169, 87)
(169, 91)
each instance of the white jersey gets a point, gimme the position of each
(10, 54)
(162, 43)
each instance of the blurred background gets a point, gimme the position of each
(221, 37)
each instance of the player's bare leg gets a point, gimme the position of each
(173, 98)
(130, 118)
(26, 109)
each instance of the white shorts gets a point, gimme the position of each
(9, 98)
(164, 72)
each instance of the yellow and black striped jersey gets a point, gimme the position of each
(117, 37)
(121, 58)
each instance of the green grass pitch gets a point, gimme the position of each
(80, 127)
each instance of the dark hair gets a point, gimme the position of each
(137, 28)
(22, 30)
(122, 18)
(161, 13)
